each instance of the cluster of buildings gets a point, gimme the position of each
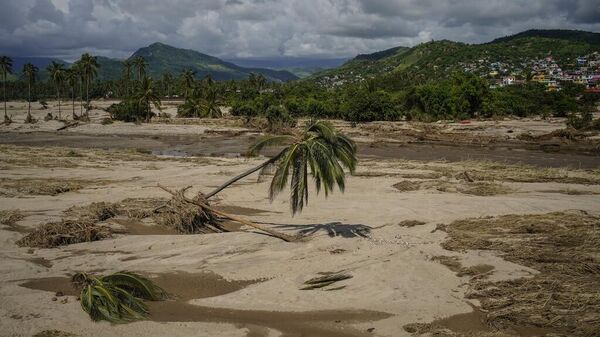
(584, 70)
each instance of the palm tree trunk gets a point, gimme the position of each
(29, 100)
(87, 95)
(73, 98)
(4, 89)
(58, 96)
(243, 175)
(81, 97)
(282, 236)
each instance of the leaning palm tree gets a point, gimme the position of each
(140, 64)
(6, 68)
(147, 96)
(57, 75)
(29, 71)
(318, 149)
(118, 297)
(188, 81)
(72, 77)
(89, 68)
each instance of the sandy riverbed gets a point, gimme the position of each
(246, 284)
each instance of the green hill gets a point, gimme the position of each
(162, 58)
(438, 59)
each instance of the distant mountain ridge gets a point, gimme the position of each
(163, 58)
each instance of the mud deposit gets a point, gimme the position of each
(183, 287)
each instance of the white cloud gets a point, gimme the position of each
(238, 28)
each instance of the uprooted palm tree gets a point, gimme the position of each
(118, 297)
(319, 150)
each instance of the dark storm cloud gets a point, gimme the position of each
(238, 28)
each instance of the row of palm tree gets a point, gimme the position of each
(82, 72)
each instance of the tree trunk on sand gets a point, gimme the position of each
(282, 236)
(73, 98)
(243, 175)
(29, 102)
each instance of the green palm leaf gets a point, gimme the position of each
(117, 298)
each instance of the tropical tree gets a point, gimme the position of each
(188, 81)
(127, 65)
(118, 297)
(72, 77)
(167, 80)
(140, 64)
(147, 96)
(318, 149)
(6, 68)
(57, 75)
(89, 68)
(212, 99)
(30, 72)
(78, 69)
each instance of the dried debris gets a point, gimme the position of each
(64, 232)
(564, 298)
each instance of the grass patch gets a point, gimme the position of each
(20, 187)
(10, 217)
(476, 188)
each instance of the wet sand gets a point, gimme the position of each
(224, 146)
(183, 287)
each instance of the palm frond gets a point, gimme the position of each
(117, 298)
(268, 141)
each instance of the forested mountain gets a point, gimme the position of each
(438, 59)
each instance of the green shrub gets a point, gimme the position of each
(127, 111)
(580, 121)
(278, 118)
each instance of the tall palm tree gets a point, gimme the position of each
(127, 65)
(72, 77)
(319, 148)
(6, 68)
(188, 81)
(89, 67)
(57, 75)
(147, 96)
(167, 79)
(29, 71)
(78, 69)
(140, 64)
(211, 102)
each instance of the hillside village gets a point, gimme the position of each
(584, 70)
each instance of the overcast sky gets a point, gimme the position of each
(260, 28)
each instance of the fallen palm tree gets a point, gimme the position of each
(318, 149)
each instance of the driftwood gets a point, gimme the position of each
(282, 236)
(68, 125)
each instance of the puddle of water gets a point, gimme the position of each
(187, 286)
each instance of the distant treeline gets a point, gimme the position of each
(460, 96)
